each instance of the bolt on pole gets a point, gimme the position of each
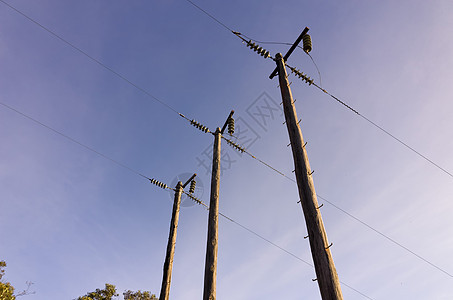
(168, 264)
(326, 273)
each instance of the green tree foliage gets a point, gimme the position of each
(110, 291)
(106, 294)
(129, 295)
(6, 289)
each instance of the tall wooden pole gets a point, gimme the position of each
(168, 264)
(210, 271)
(326, 273)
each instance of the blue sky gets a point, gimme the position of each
(71, 220)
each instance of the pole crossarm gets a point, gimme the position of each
(226, 121)
(189, 180)
(290, 51)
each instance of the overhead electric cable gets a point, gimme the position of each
(406, 145)
(349, 214)
(171, 108)
(385, 236)
(138, 173)
(319, 87)
(156, 182)
(310, 82)
(273, 244)
(243, 150)
(256, 41)
(288, 252)
(209, 15)
(122, 77)
(73, 140)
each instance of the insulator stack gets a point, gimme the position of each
(192, 187)
(200, 126)
(235, 146)
(230, 126)
(306, 39)
(158, 183)
(198, 201)
(257, 48)
(301, 75)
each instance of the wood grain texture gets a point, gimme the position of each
(326, 273)
(210, 274)
(168, 264)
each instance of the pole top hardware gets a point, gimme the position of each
(189, 180)
(296, 43)
(226, 122)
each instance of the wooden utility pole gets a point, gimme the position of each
(326, 273)
(210, 271)
(168, 264)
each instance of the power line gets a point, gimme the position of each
(272, 243)
(319, 87)
(228, 218)
(90, 57)
(307, 79)
(345, 212)
(358, 220)
(310, 82)
(193, 122)
(243, 150)
(209, 15)
(74, 140)
(314, 63)
(386, 236)
(152, 180)
(406, 145)
(123, 77)
(256, 41)
(288, 252)
(174, 110)
(157, 183)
